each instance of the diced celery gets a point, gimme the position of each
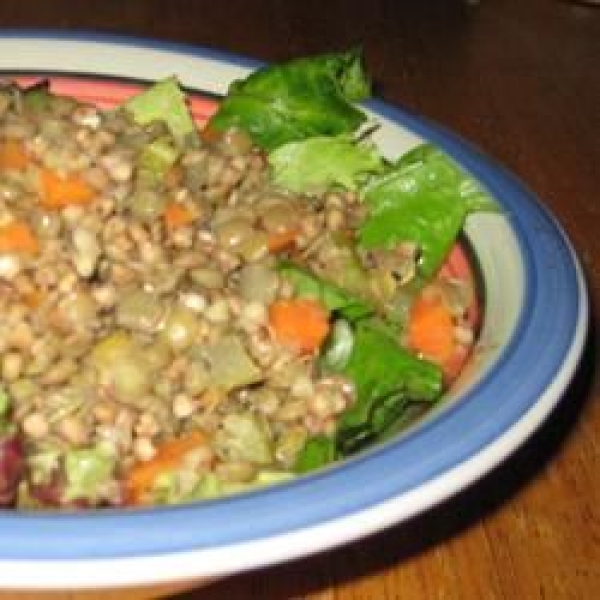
(230, 364)
(4, 403)
(164, 101)
(87, 471)
(158, 157)
(245, 436)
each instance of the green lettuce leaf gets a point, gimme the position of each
(317, 452)
(392, 386)
(317, 164)
(388, 380)
(38, 97)
(164, 101)
(333, 297)
(338, 347)
(423, 198)
(299, 99)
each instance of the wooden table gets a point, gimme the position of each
(521, 79)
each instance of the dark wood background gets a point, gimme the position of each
(521, 80)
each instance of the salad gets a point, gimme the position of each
(192, 310)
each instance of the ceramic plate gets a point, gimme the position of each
(532, 338)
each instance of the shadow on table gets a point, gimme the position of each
(407, 540)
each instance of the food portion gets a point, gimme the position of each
(194, 310)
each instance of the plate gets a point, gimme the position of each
(532, 338)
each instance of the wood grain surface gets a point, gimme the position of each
(521, 80)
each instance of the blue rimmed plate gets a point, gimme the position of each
(533, 333)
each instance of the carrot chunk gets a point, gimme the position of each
(33, 299)
(282, 240)
(59, 191)
(210, 135)
(177, 215)
(431, 330)
(13, 155)
(18, 237)
(301, 323)
(140, 479)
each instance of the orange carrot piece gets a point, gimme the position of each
(18, 237)
(282, 240)
(431, 330)
(13, 155)
(177, 215)
(210, 134)
(34, 299)
(301, 323)
(141, 478)
(59, 191)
